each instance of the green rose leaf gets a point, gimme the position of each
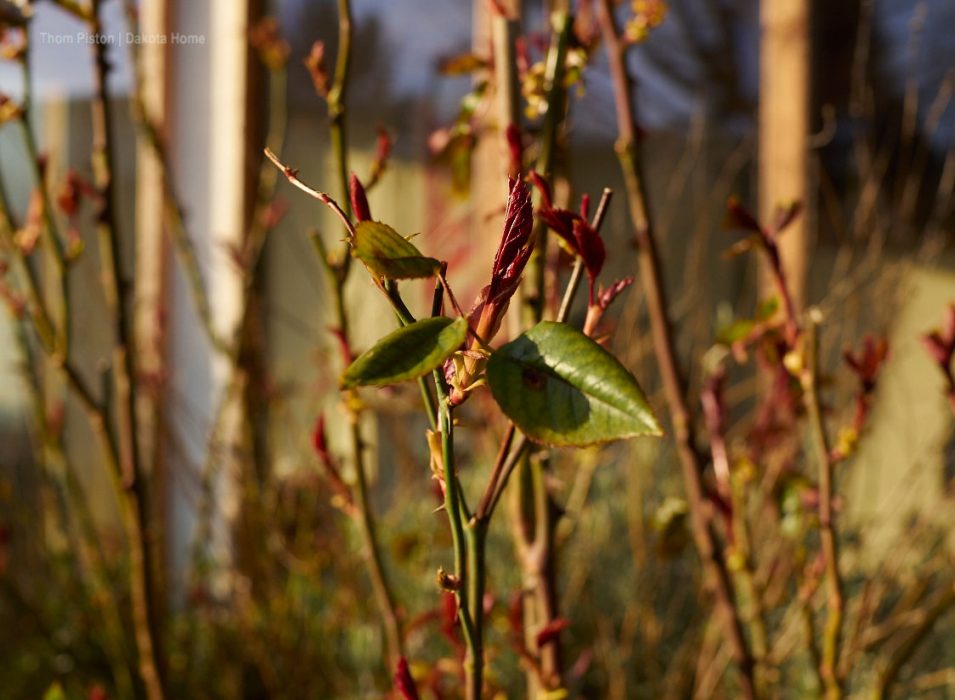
(386, 253)
(407, 353)
(561, 388)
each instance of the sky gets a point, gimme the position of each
(417, 33)
(61, 61)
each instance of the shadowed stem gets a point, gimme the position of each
(714, 564)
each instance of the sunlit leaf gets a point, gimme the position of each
(386, 253)
(407, 353)
(561, 388)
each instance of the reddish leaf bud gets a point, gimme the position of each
(739, 218)
(613, 291)
(315, 63)
(266, 39)
(404, 683)
(514, 148)
(359, 201)
(514, 250)
(591, 249)
(320, 440)
(869, 361)
(382, 154)
(551, 631)
(547, 200)
(948, 325)
(937, 349)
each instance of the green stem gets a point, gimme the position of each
(476, 581)
(463, 545)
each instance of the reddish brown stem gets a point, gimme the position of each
(292, 176)
(716, 572)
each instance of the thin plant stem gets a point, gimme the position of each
(474, 664)
(513, 460)
(576, 275)
(476, 534)
(38, 309)
(336, 100)
(292, 176)
(834, 587)
(376, 569)
(71, 498)
(51, 231)
(338, 274)
(484, 506)
(143, 595)
(468, 544)
(130, 495)
(363, 515)
(705, 537)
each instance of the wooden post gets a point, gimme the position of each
(149, 282)
(209, 150)
(228, 193)
(488, 171)
(784, 129)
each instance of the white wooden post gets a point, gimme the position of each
(209, 149)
